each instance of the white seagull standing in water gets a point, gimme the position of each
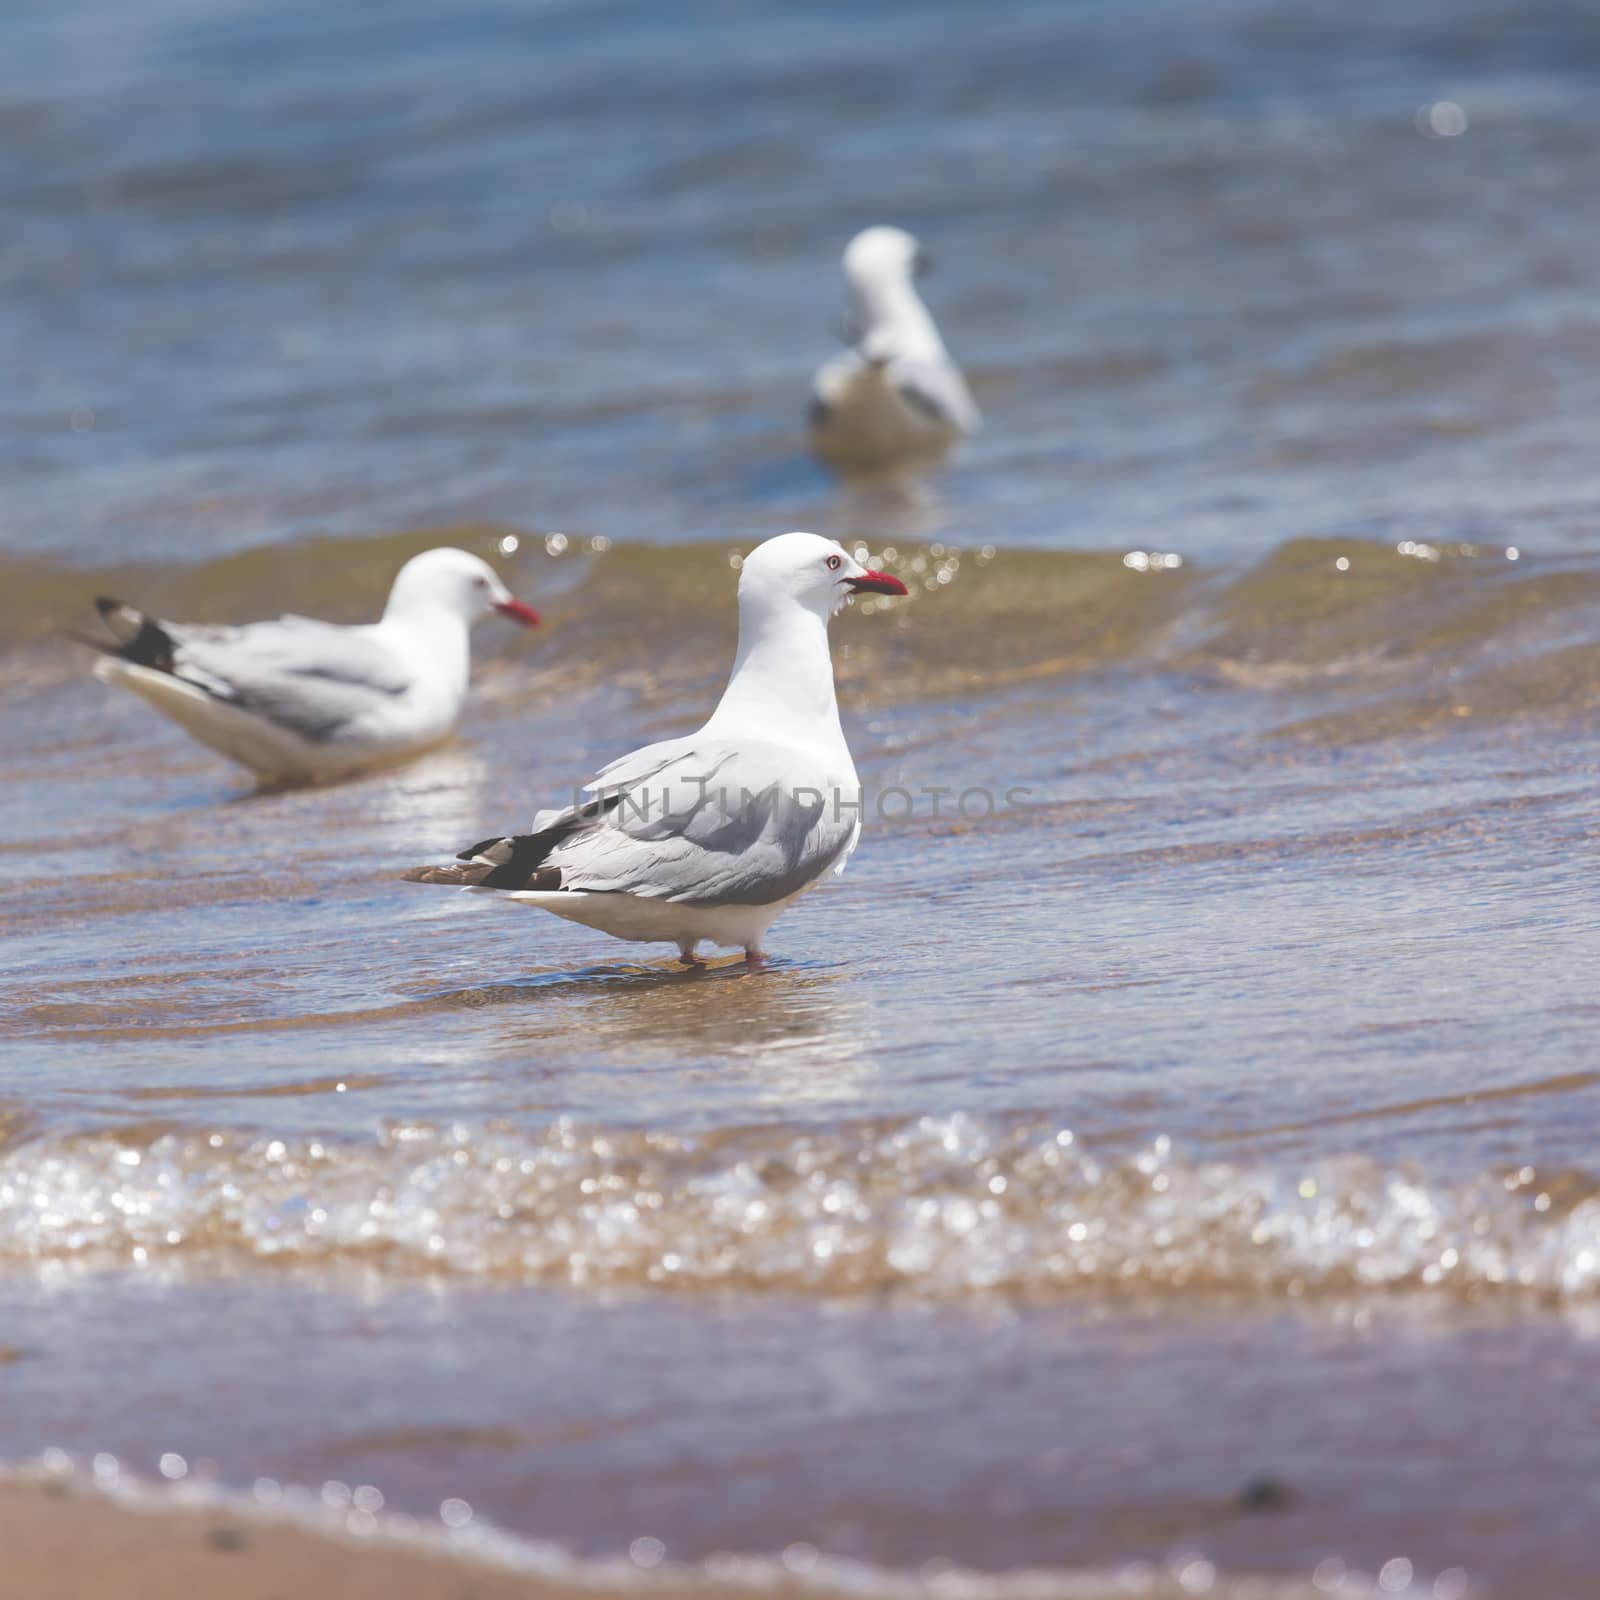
(896, 399)
(300, 701)
(709, 837)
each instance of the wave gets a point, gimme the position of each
(1426, 629)
(938, 1207)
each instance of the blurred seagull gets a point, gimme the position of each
(300, 701)
(896, 399)
(709, 837)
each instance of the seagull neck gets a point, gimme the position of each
(782, 678)
(895, 310)
(434, 633)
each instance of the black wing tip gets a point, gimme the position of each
(516, 861)
(497, 863)
(140, 639)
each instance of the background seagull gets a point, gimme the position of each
(300, 701)
(709, 837)
(896, 398)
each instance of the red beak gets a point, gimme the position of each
(871, 582)
(526, 615)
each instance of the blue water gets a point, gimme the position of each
(339, 269)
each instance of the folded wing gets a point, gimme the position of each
(937, 391)
(691, 821)
(310, 677)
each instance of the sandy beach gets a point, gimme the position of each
(68, 1543)
(62, 1544)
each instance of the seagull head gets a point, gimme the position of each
(807, 570)
(883, 255)
(887, 316)
(455, 583)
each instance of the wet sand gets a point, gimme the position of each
(60, 1544)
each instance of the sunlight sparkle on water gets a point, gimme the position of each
(646, 1552)
(1395, 1575)
(1442, 119)
(1417, 550)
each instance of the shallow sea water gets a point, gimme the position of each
(1217, 1110)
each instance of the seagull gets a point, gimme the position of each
(895, 399)
(711, 836)
(299, 701)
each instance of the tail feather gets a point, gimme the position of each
(140, 639)
(515, 862)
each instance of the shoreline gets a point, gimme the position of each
(62, 1541)
(64, 1538)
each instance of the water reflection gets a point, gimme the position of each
(802, 1034)
(432, 795)
(903, 507)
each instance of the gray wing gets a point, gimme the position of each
(637, 767)
(938, 391)
(311, 677)
(705, 821)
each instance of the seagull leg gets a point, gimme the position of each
(687, 956)
(754, 959)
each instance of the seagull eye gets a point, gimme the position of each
(833, 563)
